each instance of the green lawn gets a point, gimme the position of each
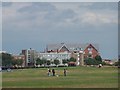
(77, 77)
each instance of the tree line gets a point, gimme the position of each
(44, 61)
(8, 60)
(94, 61)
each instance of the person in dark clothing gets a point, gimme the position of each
(65, 72)
(53, 71)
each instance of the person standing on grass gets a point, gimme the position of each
(53, 71)
(65, 72)
(49, 71)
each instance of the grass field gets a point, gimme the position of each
(77, 77)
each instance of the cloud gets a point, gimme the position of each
(0, 27)
(36, 24)
(10, 14)
(6, 4)
(37, 7)
(100, 5)
(58, 15)
(98, 19)
(89, 18)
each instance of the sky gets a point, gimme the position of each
(36, 24)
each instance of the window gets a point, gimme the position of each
(53, 55)
(63, 55)
(90, 56)
(81, 49)
(90, 52)
(75, 52)
(89, 49)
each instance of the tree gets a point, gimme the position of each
(44, 61)
(39, 61)
(56, 62)
(14, 62)
(117, 63)
(19, 62)
(72, 59)
(91, 61)
(64, 61)
(0, 59)
(98, 58)
(6, 59)
(48, 62)
(94, 61)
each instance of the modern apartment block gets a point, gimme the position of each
(30, 56)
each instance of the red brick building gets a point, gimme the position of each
(90, 51)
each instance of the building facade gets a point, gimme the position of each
(78, 51)
(54, 55)
(30, 56)
(62, 51)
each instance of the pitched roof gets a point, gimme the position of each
(70, 47)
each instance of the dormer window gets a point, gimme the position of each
(81, 49)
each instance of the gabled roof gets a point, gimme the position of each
(53, 47)
(64, 46)
(93, 45)
(71, 47)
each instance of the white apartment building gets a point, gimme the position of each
(52, 56)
